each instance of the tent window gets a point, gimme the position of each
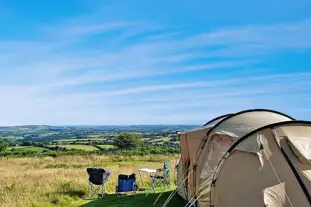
(301, 146)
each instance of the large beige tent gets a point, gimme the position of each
(253, 158)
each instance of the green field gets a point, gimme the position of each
(160, 139)
(66, 140)
(95, 136)
(28, 149)
(166, 139)
(77, 146)
(12, 137)
(74, 139)
(106, 146)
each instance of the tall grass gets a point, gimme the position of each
(62, 181)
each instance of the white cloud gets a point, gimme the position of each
(137, 80)
(270, 80)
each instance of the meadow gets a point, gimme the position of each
(63, 181)
(106, 146)
(77, 147)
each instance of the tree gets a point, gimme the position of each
(127, 140)
(3, 145)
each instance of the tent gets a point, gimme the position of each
(252, 158)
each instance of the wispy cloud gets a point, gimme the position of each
(283, 81)
(106, 70)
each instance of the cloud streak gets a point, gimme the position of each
(128, 71)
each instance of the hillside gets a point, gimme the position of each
(44, 132)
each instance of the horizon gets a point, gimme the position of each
(87, 125)
(170, 62)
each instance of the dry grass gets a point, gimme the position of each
(60, 181)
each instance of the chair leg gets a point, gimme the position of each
(89, 191)
(151, 186)
(168, 184)
(97, 191)
(102, 190)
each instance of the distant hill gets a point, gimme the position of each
(104, 127)
(45, 132)
(28, 128)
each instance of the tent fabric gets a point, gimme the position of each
(216, 120)
(181, 191)
(190, 143)
(301, 145)
(275, 195)
(257, 176)
(268, 150)
(244, 123)
(301, 164)
(239, 124)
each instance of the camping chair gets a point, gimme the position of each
(98, 178)
(126, 183)
(161, 179)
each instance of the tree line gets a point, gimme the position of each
(126, 144)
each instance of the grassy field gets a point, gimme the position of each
(78, 146)
(67, 140)
(160, 139)
(74, 139)
(62, 181)
(12, 137)
(96, 135)
(106, 146)
(28, 149)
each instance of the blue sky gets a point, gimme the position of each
(152, 62)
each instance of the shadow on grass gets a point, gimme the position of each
(140, 200)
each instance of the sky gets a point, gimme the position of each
(104, 62)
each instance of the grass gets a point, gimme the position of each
(138, 200)
(66, 140)
(12, 137)
(106, 146)
(160, 139)
(84, 139)
(166, 139)
(96, 135)
(79, 142)
(28, 149)
(62, 181)
(79, 147)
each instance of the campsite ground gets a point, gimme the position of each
(62, 181)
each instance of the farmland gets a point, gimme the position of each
(50, 140)
(106, 146)
(73, 133)
(77, 147)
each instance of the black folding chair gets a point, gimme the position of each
(98, 178)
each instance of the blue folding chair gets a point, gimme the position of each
(126, 184)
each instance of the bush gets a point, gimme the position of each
(3, 145)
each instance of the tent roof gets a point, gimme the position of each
(207, 125)
(216, 120)
(242, 122)
(273, 125)
(246, 121)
